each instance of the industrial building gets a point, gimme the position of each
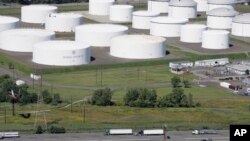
(121, 13)
(138, 47)
(167, 26)
(239, 69)
(36, 13)
(141, 19)
(160, 6)
(211, 62)
(22, 40)
(180, 66)
(7, 23)
(215, 39)
(221, 18)
(212, 4)
(99, 35)
(61, 53)
(100, 7)
(63, 22)
(195, 29)
(182, 9)
(202, 5)
(241, 25)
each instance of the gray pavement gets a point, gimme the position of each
(174, 136)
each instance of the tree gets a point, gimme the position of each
(39, 129)
(175, 81)
(140, 97)
(56, 99)
(47, 98)
(102, 97)
(186, 84)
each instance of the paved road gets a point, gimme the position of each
(175, 136)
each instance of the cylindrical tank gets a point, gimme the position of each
(202, 5)
(22, 40)
(121, 13)
(241, 25)
(141, 19)
(99, 35)
(160, 6)
(100, 7)
(220, 18)
(182, 9)
(166, 26)
(63, 22)
(36, 13)
(138, 47)
(195, 29)
(215, 39)
(212, 4)
(61, 53)
(7, 23)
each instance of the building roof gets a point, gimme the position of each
(242, 18)
(239, 67)
(222, 12)
(221, 2)
(210, 60)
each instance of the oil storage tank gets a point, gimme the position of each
(138, 47)
(63, 22)
(215, 39)
(61, 53)
(220, 18)
(160, 6)
(202, 5)
(99, 35)
(100, 7)
(212, 4)
(22, 40)
(241, 25)
(36, 13)
(182, 9)
(195, 29)
(121, 13)
(141, 19)
(166, 26)
(7, 23)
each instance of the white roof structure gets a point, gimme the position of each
(168, 20)
(242, 18)
(145, 13)
(182, 3)
(7, 23)
(7, 19)
(223, 12)
(221, 2)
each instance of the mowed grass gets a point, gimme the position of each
(114, 77)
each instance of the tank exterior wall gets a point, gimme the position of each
(213, 6)
(165, 30)
(121, 14)
(182, 12)
(141, 22)
(219, 22)
(195, 37)
(99, 8)
(215, 40)
(240, 29)
(158, 6)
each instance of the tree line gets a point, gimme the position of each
(144, 97)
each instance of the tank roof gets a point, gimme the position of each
(61, 45)
(168, 20)
(140, 38)
(221, 2)
(182, 3)
(222, 12)
(7, 19)
(40, 7)
(28, 32)
(102, 27)
(242, 18)
(146, 13)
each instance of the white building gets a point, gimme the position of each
(211, 62)
(221, 18)
(160, 6)
(238, 69)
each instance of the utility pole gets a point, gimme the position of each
(101, 76)
(84, 111)
(71, 104)
(96, 76)
(5, 113)
(138, 73)
(165, 132)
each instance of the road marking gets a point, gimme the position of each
(218, 138)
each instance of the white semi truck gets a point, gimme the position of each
(204, 131)
(149, 132)
(119, 132)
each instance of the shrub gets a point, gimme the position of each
(39, 129)
(55, 129)
(102, 97)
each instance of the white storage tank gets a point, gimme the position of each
(7, 23)
(221, 18)
(36, 13)
(241, 25)
(182, 9)
(215, 39)
(167, 26)
(121, 13)
(100, 7)
(99, 35)
(61, 53)
(22, 40)
(138, 47)
(212, 4)
(192, 33)
(141, 19)
(202, 5)
(160, 6)
(63, 22)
